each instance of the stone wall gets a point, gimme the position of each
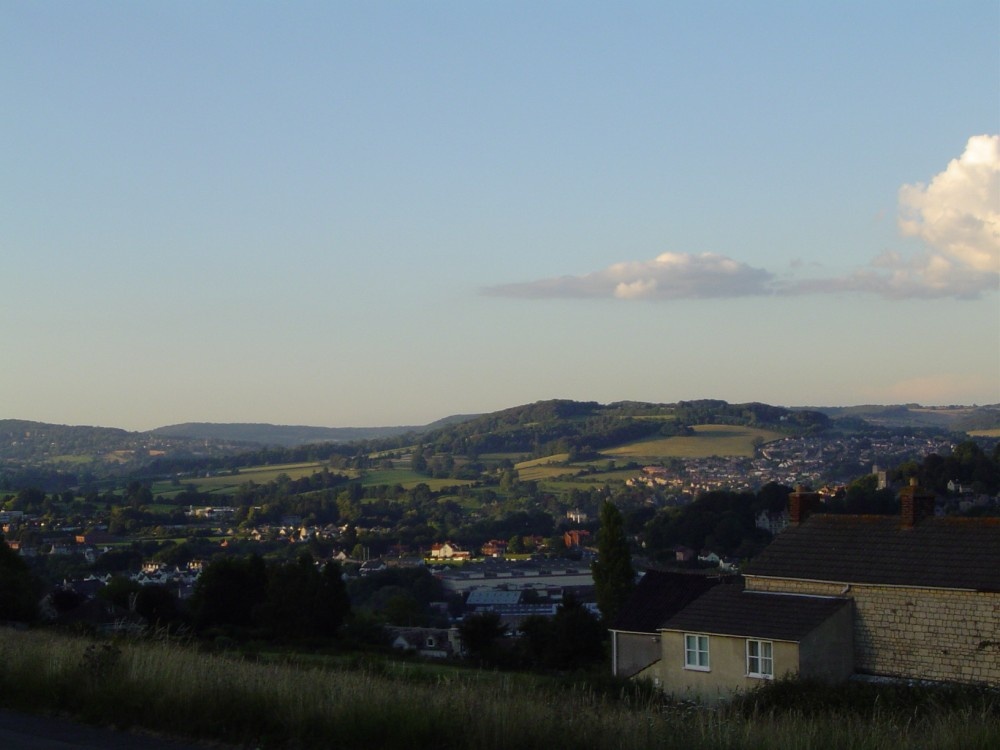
(899, 631)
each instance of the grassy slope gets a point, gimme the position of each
(225, 483)
(708, 440)
(167, 688)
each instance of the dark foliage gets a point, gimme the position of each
(286, 601)
(614, 577)
(481, 635)
(865, 699)
(19, 590)
(573, 639)
(722, 521)
(399, 596)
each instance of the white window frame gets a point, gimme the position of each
(760, 659)
(696, 652)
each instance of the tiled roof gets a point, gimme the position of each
(729, 610)
(938, 552)
(658, 596)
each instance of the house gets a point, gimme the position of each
(370, 567)
(431, 643)
(576, 538)
(911, 596)
(684, 554)
(635, 632)
(772, 523)
(731, 639)
(925, 589)
(494, 548)
(449, 551)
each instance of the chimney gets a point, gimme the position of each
(802, 503)
(915, 504)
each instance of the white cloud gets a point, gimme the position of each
(956, 215)
(668, 276)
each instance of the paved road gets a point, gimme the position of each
(23, 732)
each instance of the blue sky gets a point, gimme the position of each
(374, 213)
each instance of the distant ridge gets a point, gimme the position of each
(288, 436)
(958, 418)
(285, 436)
(60, 456)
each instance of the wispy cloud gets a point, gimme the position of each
(668, 276)
(946, 388)
(956, 215)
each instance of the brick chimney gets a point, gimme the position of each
(802, 503)
(915, 504)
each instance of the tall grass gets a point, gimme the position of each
(168, 688)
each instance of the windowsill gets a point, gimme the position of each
(697, 669)
(761, 676)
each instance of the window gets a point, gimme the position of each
(696, 652)
(760, 662)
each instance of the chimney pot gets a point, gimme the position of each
(915, 504)
(801, 504)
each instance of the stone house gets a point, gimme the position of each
(925, 589)
(912, 596)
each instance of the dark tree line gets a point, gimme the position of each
(245, 596)
(969, 464)
(722, 521)
(572, 639)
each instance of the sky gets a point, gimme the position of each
(383, 213)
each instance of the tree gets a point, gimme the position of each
(18, 588)
(614, 577)
(572, 639)
(480, 633)
(228, 591)
(158, 605)
(332, 602)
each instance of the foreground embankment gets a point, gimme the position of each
(175, 689)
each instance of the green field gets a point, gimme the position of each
(709, 440)
(539, 469)
(589, 481)
(496, 457)
(994, 433)
(408, 479)
(72, 458)
(224, 483)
